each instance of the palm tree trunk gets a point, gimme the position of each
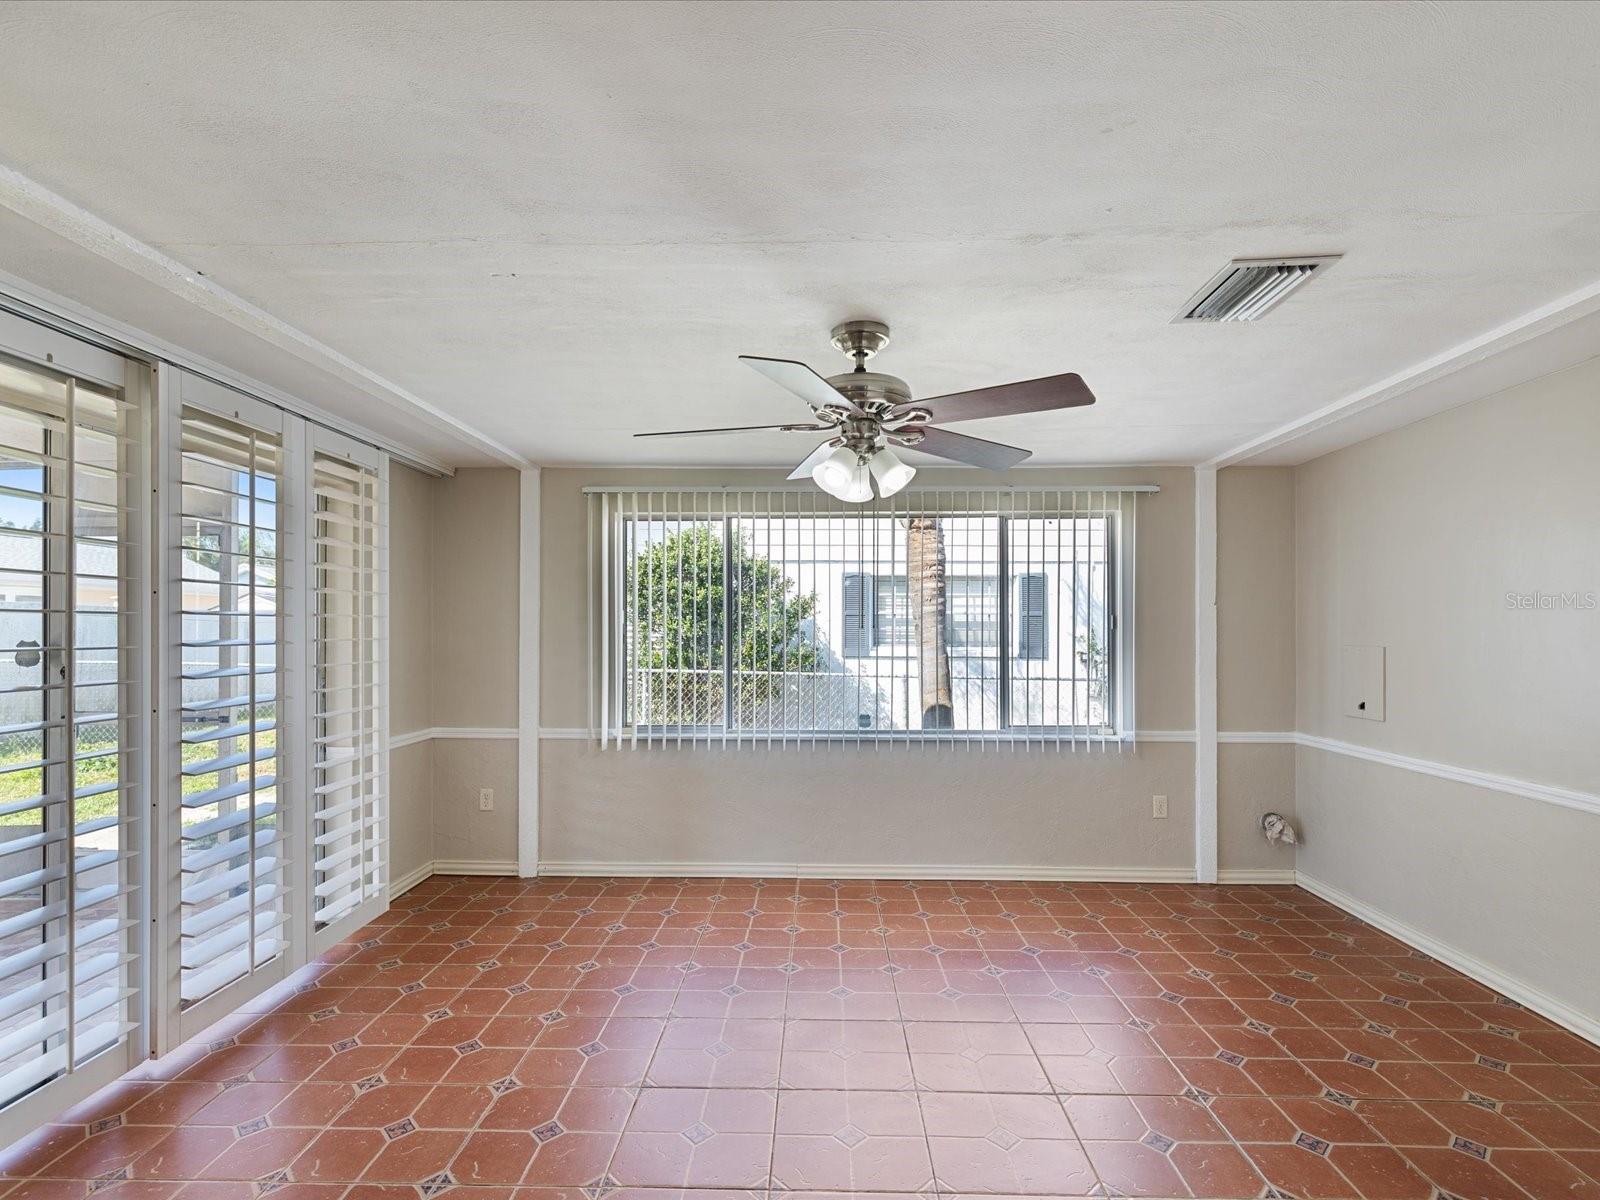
(926, 570)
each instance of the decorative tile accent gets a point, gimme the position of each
(591, 1049)
(399, 1128)
(1494, 1064)
(436, 1185)
(548, 1132)
(1158, 1142)
(1467, 1146)
(1232, 1059)
(254, 1125)
(698, 1133)
(268, 1184)
(1002, 1137)
(1314, 1144)
(104, 1181)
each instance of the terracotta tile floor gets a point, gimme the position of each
(578, 1038)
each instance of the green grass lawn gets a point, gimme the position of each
(18, 785)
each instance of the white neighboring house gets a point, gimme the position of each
(1057, 628)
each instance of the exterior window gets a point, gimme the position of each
(745, 623)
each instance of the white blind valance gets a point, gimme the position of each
(970, 616)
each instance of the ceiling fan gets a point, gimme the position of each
(864, 413)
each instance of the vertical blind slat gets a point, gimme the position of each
(831, 615)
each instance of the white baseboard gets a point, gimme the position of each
(1563, 1014)
(400, 885)
(1257, 875)
(448, 866)
(639, 870)
(725, 870)
(474, 866)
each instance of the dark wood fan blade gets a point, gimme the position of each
(801, 380)
(1008, 399)
(737, 429)
(973, 451)
(803, 471)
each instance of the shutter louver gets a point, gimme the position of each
(69, 628)
(348, 759)
(856, 623)
(1033, 629)
(232, 863)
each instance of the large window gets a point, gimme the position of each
(723, 615)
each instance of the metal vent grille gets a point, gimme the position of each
(1248, 288)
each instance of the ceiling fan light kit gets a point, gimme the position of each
(867, 412)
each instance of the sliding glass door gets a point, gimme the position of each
(349, 685)
(72, 837)
(234, 843)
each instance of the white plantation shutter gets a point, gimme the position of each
(70, 725)
(348, 684)
(234, 880)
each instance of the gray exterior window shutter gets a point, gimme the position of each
(858, 601)
(1033, 627)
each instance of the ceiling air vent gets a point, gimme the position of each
(1248, 288)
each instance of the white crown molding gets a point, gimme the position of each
(1583, 1024)
(1549, 338)
(91, 233)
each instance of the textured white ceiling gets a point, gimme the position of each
(560, 223)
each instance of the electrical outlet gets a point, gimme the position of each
(485, 799)
(1158, 807)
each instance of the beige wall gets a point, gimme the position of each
(1255, 661)
(1255, 599)
(453, 616)
(1412, 541)
(925, 806)
(410, 668)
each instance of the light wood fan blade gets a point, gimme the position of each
(801, 380)
(974, 451)
(803, 471)
(1007, 399)
(736, 429)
